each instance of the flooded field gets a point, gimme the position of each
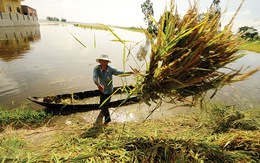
(47, 60)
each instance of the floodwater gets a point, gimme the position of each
(48, 60)
(243, 94)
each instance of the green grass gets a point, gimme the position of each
(251, 46)
(133, 29)
(22, 116)
(102, 27)
(91, 26)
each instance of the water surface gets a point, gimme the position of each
(54, 62)
(47, 60)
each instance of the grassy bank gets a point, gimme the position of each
(251, 46)
(101, 27)
(22, 116)
(91, 26)
(216, 134)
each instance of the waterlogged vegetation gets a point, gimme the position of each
(217, 133)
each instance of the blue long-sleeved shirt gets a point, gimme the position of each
(105, 78)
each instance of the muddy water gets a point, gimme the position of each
(47, 60)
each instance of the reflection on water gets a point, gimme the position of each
(8, 86)
(14, 44)
(49, 61)
(15, 41)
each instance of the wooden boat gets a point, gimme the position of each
(78, 102)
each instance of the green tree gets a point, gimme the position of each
(63, 20)
(147, 9)
(214, 9)
(52, 18)
(249, 33)
(215, 6)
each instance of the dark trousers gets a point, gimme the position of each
(104, 105)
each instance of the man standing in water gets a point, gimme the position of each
(103, 78)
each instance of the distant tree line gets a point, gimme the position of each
(249, 33)
(55, 19)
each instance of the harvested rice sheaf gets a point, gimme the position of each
(161, 150)
(189, 55)
(245, 142)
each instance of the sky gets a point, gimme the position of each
(128, 12)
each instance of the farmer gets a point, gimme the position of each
(103, 78)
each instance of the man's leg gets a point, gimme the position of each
(99, 120)
(105, 106)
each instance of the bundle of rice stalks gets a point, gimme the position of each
(235, 121)
(188, 55)
(170, 150)
(245, 143)
(221, 118)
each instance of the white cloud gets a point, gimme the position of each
(246, 13)
(247, 22)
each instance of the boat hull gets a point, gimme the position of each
(55, 103)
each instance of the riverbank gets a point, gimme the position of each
(248, 45)
(217, 134)
(251, 46)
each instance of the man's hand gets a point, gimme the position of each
(101, 87)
